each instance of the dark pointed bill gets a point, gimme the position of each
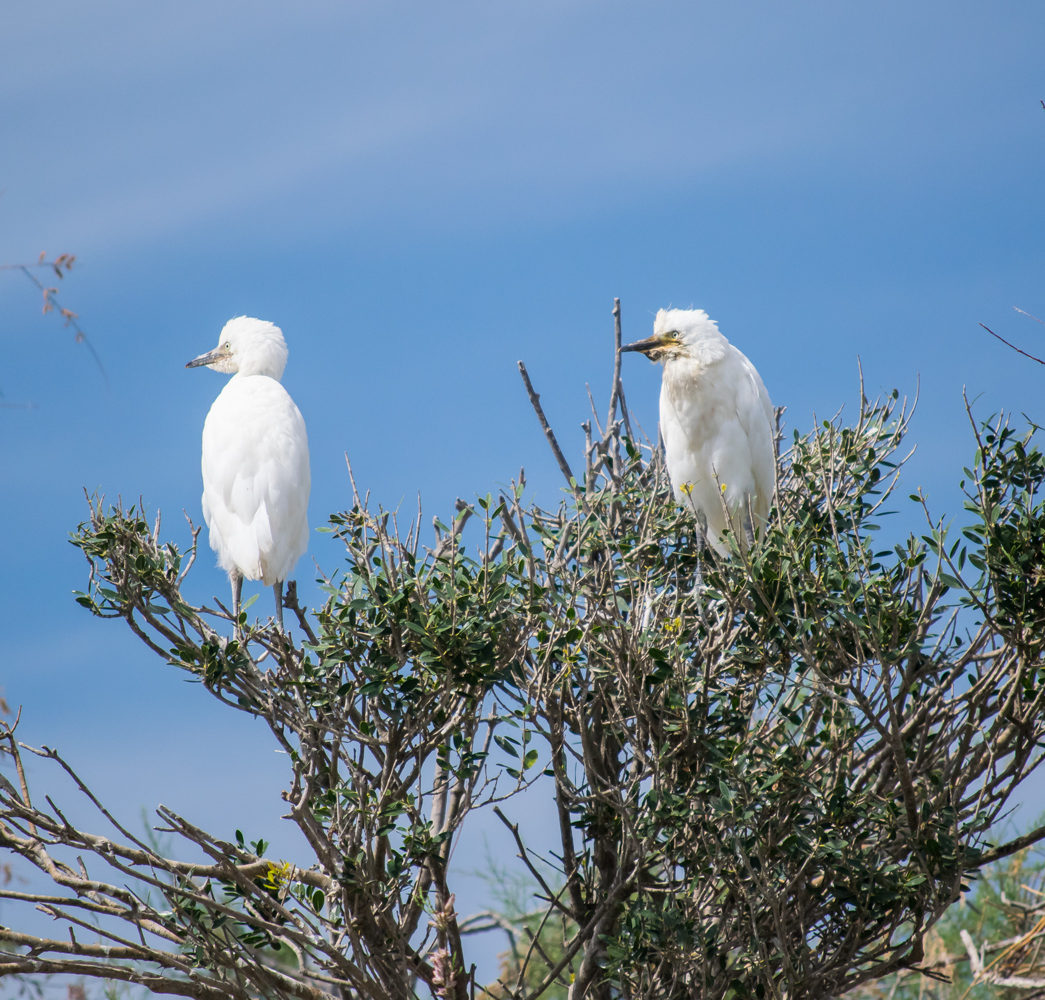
(207, 359)
(651, 345)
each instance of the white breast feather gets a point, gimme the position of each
(717, 424)
(256, 479)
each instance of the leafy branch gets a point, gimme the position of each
(772, 774)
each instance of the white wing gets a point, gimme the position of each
(256, 479)
(717, 423)
(755, 413)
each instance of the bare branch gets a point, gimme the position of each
(1013, 346)
(535, 401)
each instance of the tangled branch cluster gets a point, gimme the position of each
(770, 783)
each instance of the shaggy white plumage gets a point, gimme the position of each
(256, 478)
(716, 420)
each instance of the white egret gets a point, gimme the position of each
(256, 478)
(716, 421)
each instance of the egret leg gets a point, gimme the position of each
(700, 541)
(745, 516)
(237, 590)
(277, 589)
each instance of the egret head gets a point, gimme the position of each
(248, 346)
(680, 333)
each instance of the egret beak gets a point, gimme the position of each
(651, 346)
(209, 358)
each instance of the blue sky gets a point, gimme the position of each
(422, 194)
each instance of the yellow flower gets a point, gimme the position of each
(278, 876)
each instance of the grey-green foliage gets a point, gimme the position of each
(771, 785)
(1003, 919)
(788, 775)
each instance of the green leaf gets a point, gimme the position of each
(507, 744)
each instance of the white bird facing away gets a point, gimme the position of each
(256, 479)
(717, 424)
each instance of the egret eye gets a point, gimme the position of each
(228, 346)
